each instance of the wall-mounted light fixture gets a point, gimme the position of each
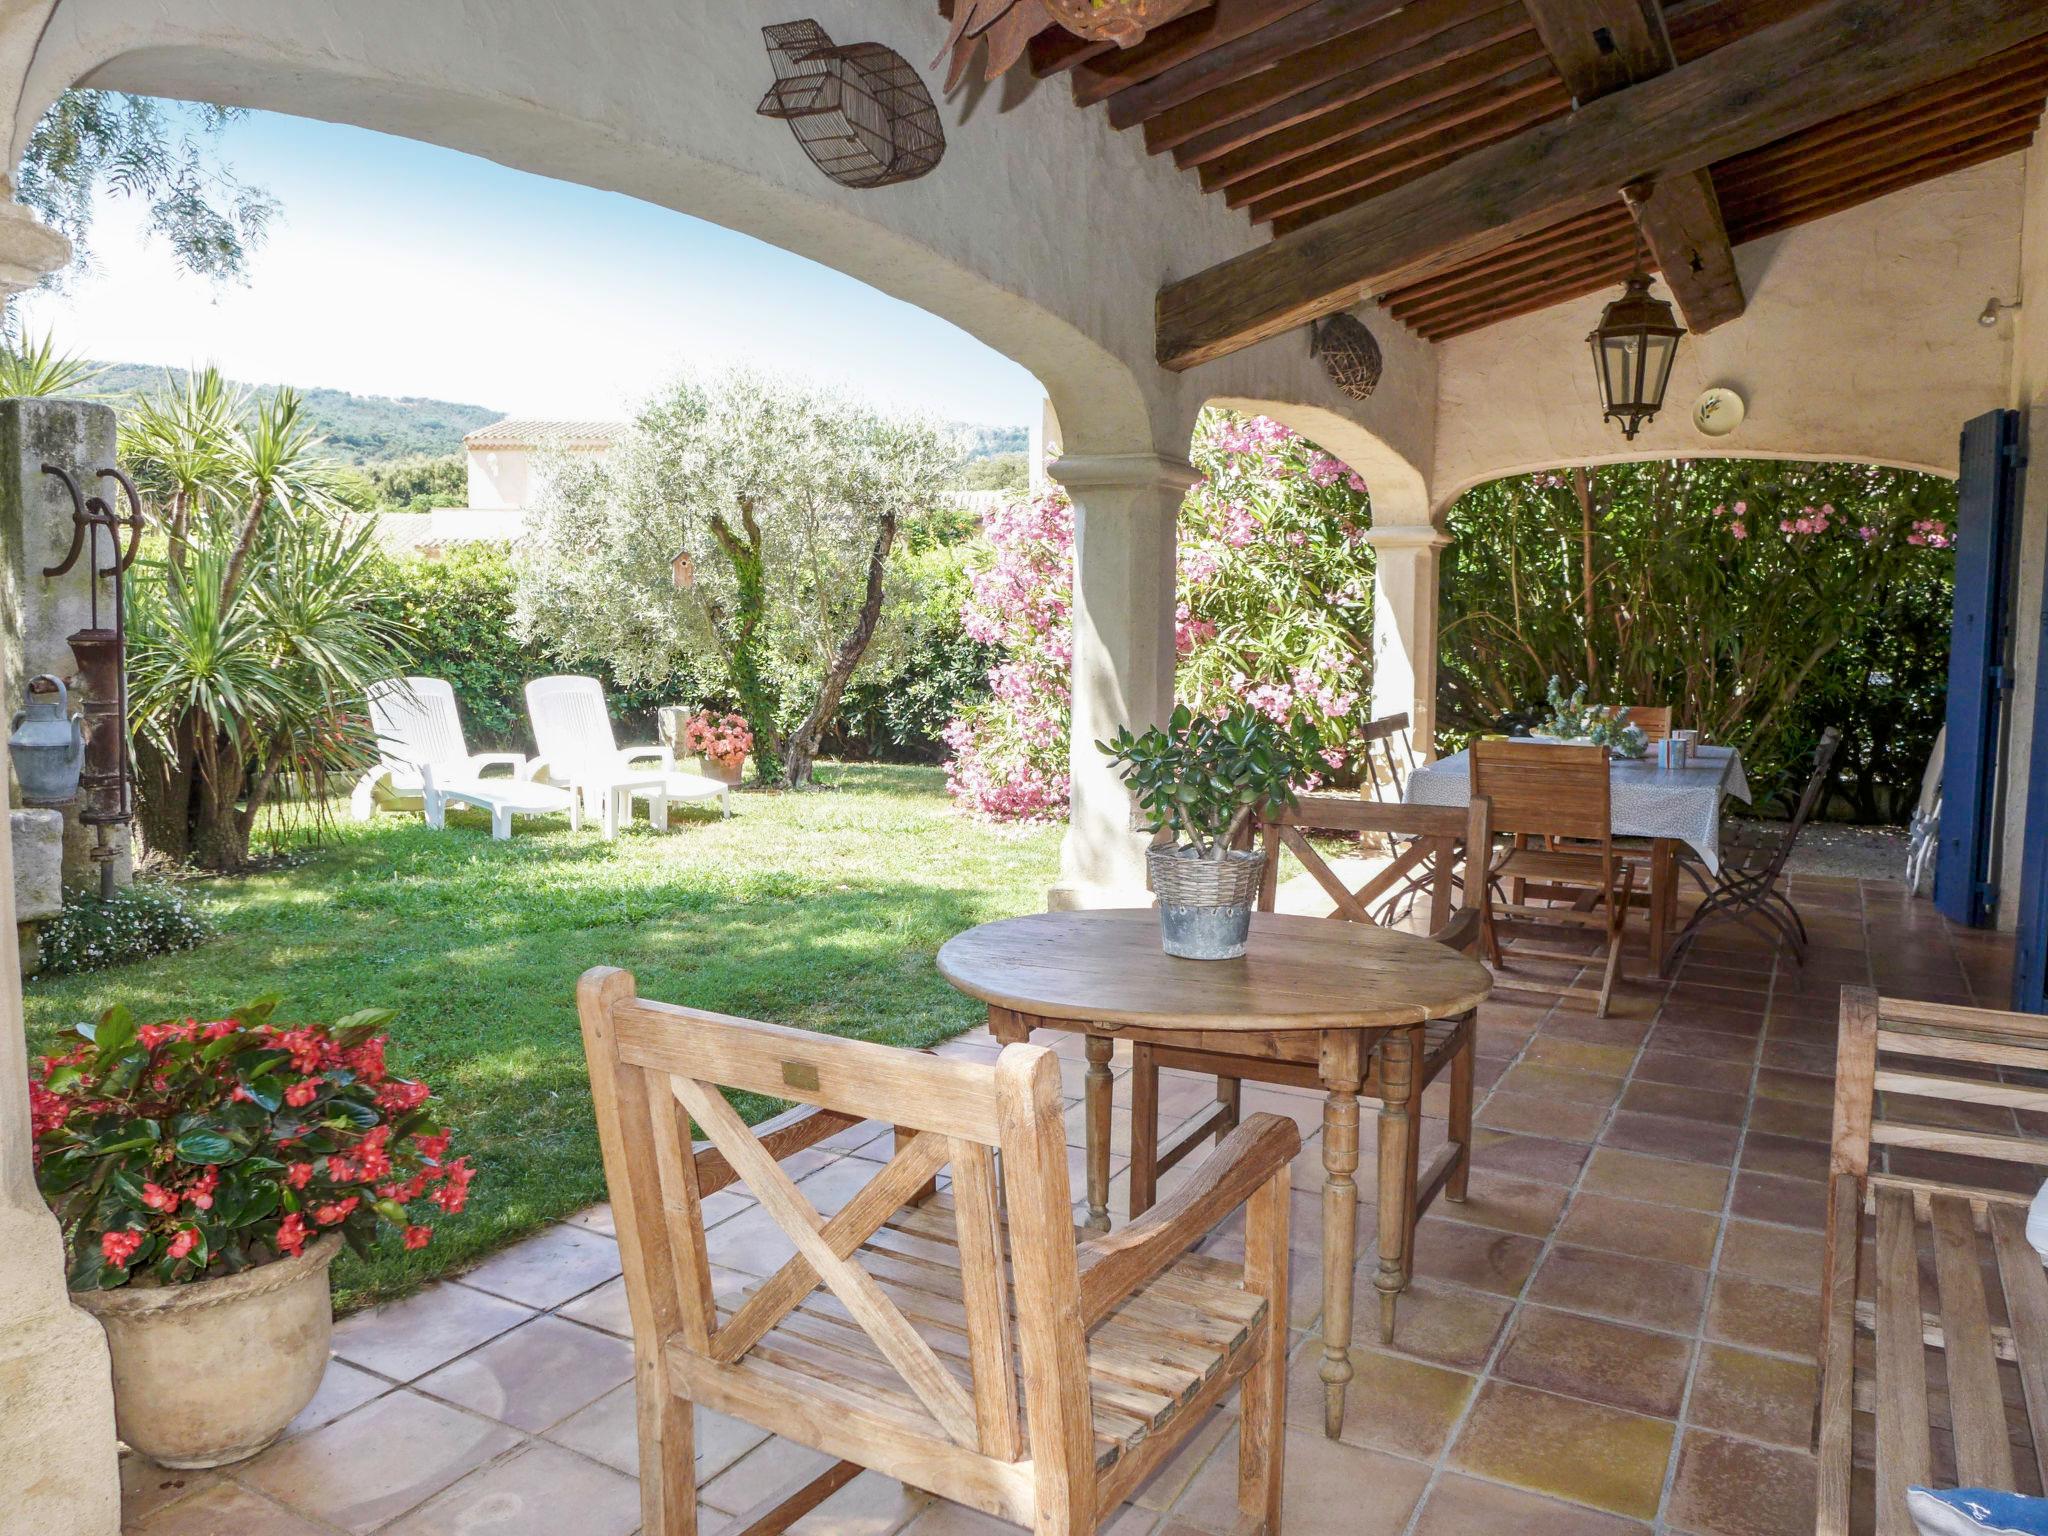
(1988, 315)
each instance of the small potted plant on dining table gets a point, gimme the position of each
(205, 1176)
(1199, 781)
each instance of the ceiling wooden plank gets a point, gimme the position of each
(1056, 50)
(1818, 206)
(1184, 38)
(1314, 26)
(1841, 55)
(1415, 39)
(1417, 78)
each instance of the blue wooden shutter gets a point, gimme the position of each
(1987, 506)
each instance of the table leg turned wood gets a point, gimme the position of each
(1097, 1088)
(1663, 899)
(1341, 1072)
(1397, 1152)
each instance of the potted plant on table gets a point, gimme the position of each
(1574, 720)
(1199, 781)
(205, 1176)
(723, 742)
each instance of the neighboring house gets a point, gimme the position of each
(507, 474)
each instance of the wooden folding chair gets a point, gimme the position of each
(1555, 803)
(1388, 753)
(906, 1327)
(1934, 1308)
(1436, 839)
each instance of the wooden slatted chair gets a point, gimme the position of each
(1435, 842)
(1653, 720)
(1563, 868)
(1934, 1305)
(1040, 1388)
(1388, 753)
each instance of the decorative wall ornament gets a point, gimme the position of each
(859, 111)
(1008, 25)
(1350, 355)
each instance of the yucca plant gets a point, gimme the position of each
(37, 368)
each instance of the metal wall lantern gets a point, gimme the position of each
(1633, 348)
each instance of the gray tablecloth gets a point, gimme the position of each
(1649, 801)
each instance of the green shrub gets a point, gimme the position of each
(145, 919)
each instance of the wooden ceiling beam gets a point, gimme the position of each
(1056, 50)
(1511, 93)
(1314, 26)
(1602, 46)
(1838, 56)
(1414, 40)
(1245, 148)
(1185, 37)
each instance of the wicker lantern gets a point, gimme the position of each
(860, 112)
(1350, 355)
(1633, 348)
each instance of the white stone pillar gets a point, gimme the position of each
(58, 1470)
(1404, 626)
(1125, 510)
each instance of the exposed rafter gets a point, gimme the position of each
(1836, 57)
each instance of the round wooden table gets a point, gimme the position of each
(1340, 1002)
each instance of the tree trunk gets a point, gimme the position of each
(1582, 488)
(220, 840)
(801, 750)
(743, 660)
(163, 794)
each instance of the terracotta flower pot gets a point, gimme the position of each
(213, 1371)
(727, 770)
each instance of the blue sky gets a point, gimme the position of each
(399, 268)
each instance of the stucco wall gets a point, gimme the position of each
(499, 477)
(1860, 342)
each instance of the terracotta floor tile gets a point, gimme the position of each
(1758, 1396)
(538, 1491)
(1660, 1180)
(1528, 1157)
(537, 1374)
(1505, 1203)
(1162, 1488)
(1568, 1449)
(1331, 1489)
(373, 1465)
(1683, 1103)
(1661, 1136)
(1569, 1084)
(548, 1268)
(1764, 1316)
(1787, 1156)
(1694, 1071)
(1549, 1117)
(1801, 1087)
(1774, 1254)
(1788, 1117)
(1733, 1488)
(404, 1339)
(1784, 1202)
(1594, 1030)
(1392, 1403)
(1662, 1232)
(221, 1508)
(1604, 1362)
(1443, 1324)
(1667, 1296)
(1477, 1257)
(1465, 1506)
(1678, 1038)
(1580, 1055)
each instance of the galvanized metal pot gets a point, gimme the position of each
(1205, 905)
(48, 744)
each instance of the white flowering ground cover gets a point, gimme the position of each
(822, 909)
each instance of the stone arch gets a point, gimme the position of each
(658, 105)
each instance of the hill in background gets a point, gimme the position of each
(377, 429)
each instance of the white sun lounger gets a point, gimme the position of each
(573, 731)
(423, 761)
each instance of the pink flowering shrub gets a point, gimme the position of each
(1009, 752)
(722, 738)
(183, 1150)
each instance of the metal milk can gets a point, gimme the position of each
(47, 744)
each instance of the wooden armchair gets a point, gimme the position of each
(1433, 840)
(934, 1309)
(1934, 1312)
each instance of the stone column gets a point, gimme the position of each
(1404, 626)
(1125, 510)
(58, 1472)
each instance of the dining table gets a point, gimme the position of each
(1320, 994)
(1674, 811)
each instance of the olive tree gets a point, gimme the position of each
(740, 531)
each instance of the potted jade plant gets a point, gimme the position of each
(722, 742)
(1574, 720)
(1198, 781)
(205, 1176)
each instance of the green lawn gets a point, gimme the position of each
(820, 909)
